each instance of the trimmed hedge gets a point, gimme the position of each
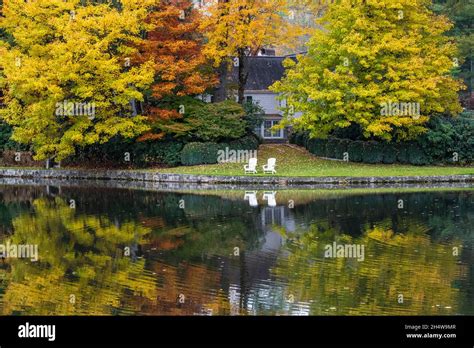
(315, 146)
(331, 147)
(207, 153)
(199, 153)
(355, 150)
(341, 148)
(389, 153)
(249, 142)
(448, 140)
(141, 154)
(169, 151)
(157, 152)
(372, 152)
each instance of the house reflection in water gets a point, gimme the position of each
(252, 289)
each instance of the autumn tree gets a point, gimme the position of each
(174, 45)
(372, 54)
(83, 245)
(65, 56)
(346, 287)
(306, 11)
(241, 28)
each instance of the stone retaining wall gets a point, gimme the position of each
(130, 175)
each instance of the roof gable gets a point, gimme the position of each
(263, 72)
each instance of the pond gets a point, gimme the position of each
(92, 250)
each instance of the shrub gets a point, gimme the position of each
(317, 147)
(157, 152)
(292, 137)
(389, 152)
(310, 146)
(249, 142)
(372, 152)
(417, 156)
(207, 153)
(215, 122)
(200, 153)
(331, 147)
(6, 143)
(464, 141)
(340, 148)
(296, 138)
(447, 137)
(412, 153)
(448, 140)
(403, 153)
(305, 139)
(355, 150)
(171, 153)
(353, 132)
(439, 140)
(253, 115)
(112, 153)
(5, 134)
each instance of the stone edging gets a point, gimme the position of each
(130, 175)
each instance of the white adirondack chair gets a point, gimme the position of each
(251, 167)
(270, 166)
(251, 196)
(270, 197)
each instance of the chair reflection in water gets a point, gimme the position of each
(270, 197)
(251, 196)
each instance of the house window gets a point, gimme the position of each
(282, 103)
(269, 133)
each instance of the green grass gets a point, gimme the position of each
(296, 161)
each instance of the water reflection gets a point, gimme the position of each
(117, 252)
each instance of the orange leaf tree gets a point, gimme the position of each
(174, 45)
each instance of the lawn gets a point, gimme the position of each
(296, 161)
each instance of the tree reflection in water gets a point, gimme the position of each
(136, 252)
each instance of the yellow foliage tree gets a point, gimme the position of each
(382, 65)
(66, 74)
(82, 266)
(240, 28)
(408, 264)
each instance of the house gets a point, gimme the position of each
(264, 71)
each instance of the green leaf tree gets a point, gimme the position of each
(461, 12)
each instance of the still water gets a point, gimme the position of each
(107, 251)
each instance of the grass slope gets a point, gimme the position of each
(296, 161)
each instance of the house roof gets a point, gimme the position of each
(263, 71)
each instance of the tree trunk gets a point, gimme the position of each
(133, 104)
(243, 74)
(220, 93)
(471, 87)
